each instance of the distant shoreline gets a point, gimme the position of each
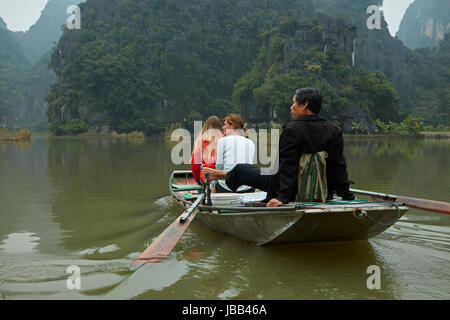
(437, 134)
(424, 135)
(25, 135)
(20, 136)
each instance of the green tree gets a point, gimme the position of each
(357, 127)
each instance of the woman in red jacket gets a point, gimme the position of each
(205, 148)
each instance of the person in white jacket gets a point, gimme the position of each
(235, 148)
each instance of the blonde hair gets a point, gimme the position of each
(211, 132)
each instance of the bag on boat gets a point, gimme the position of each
(312, 178)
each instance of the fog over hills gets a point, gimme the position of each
(40, 38)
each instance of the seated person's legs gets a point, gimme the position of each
(220, 189)
(241, 175)
(246, 175)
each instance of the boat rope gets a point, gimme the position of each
(360, 215)
(399, 215)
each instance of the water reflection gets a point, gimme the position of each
(380, 148)
(26, 194)
(20, 242)
(97, 203)
(401, 166)
(149, 278)
(104, 188)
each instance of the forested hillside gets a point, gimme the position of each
(147, 65)
(26, 83)
(31, 102)
(320, 54)
(141, 65)
(12, 70)
(414, 74)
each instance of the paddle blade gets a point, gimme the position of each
(164, 244)
(423, 204)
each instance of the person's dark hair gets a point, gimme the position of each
(310, 95)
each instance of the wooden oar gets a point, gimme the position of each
(168, 239)
(423, 204)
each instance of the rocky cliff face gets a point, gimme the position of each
(377, 50)
(25, 78)
(320, 52)
(31, 104)
(142, 63)
(338, 33)
(39, 39)
(425, 23)
(2, 24)
(12, 70)
(10, 52)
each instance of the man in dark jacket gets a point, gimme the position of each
(308, 133)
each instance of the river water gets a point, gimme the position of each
(97, 203)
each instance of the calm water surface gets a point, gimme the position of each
(96, 203)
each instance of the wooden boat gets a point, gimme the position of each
(293, 223)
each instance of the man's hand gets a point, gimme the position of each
(215, 174)
(274, 203)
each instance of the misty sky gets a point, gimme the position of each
(20, 15)
(393, 13)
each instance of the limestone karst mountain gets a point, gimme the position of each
(425, 23)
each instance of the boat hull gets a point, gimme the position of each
(314, 225)
(342, 221)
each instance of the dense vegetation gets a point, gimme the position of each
(20, 136)
(25, 78)
(419, 77)
(12, 71)
(147, 65)
(23, 87)
(432, 91)
(285, 64)
(142, 65)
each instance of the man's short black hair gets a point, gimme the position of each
(310, 95)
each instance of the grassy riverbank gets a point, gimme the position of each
(437, 134)
(111, 135)
(131, 135)
(19, 136)
(423, 134)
